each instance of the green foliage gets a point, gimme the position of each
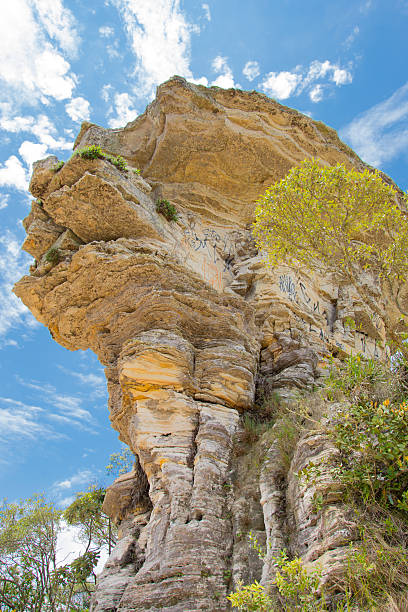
(119, 162)
(91, 152)
(372, 439)
(362, 379)
(336, 219)
(58, 166)
(86, 513)
(120, 462)
(371, 431)
(377, 565)
(166, 209)
(298, 588)
(251, 597)
(95, 152)
(52, 256)
(29, 576)
(136, 171)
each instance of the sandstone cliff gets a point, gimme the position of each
(190, 326)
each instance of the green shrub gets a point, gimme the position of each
(91, 152)
(251, 597)
(359, 378)
(52, 256)
(58, 166)
(95, 152)
(377, 565)
(119, 162)
(372, 439)
(136, 170)
(166, 209)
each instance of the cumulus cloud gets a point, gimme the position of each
(13, 174)
(282, 85)
(316, 94)
(225, 78)
(32, 151)
(123, 107)
(160, 37)
(59, 23)
(42, 128)
(381, 132)
(78, 109)
(32, 66)
(251, 70)
(106, 31)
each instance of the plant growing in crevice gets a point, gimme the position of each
(52, 256)
(168, 210)
(58, 166)
(95, 152)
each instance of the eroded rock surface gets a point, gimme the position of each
(187, 321)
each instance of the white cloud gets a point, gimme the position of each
(281, 85)
(82, 477)
(13, 264)
(42, 128)
(125, 110)
(32, 151)
(19, 420)
(4, 198)
(381, 133)
(316, 94)
(13, 174)
(226, 78)
(59, 23)
(106, 31)
(251, 70)
(341, 76)
(160, 37)
(78, 109)
(32, 68)
(207, 12)
(70, 410)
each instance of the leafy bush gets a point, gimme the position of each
(251, 597)
(95, 152)
(91, 152)
(377, 566)
(136, 171)
(52, 256)
(372, 431)
(362, 379)
(58, 166)
(118, 161)
(372, 439)
(166, 209)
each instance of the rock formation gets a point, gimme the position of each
(189, 325)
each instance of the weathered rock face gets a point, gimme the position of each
(187, 322)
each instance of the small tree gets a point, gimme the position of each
(30, 577)
(85, 512)
(336, 220)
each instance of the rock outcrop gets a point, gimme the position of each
(189, 323)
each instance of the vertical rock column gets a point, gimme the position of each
(184, 448)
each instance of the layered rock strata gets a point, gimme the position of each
(188, 323)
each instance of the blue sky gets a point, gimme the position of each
(64, 61)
